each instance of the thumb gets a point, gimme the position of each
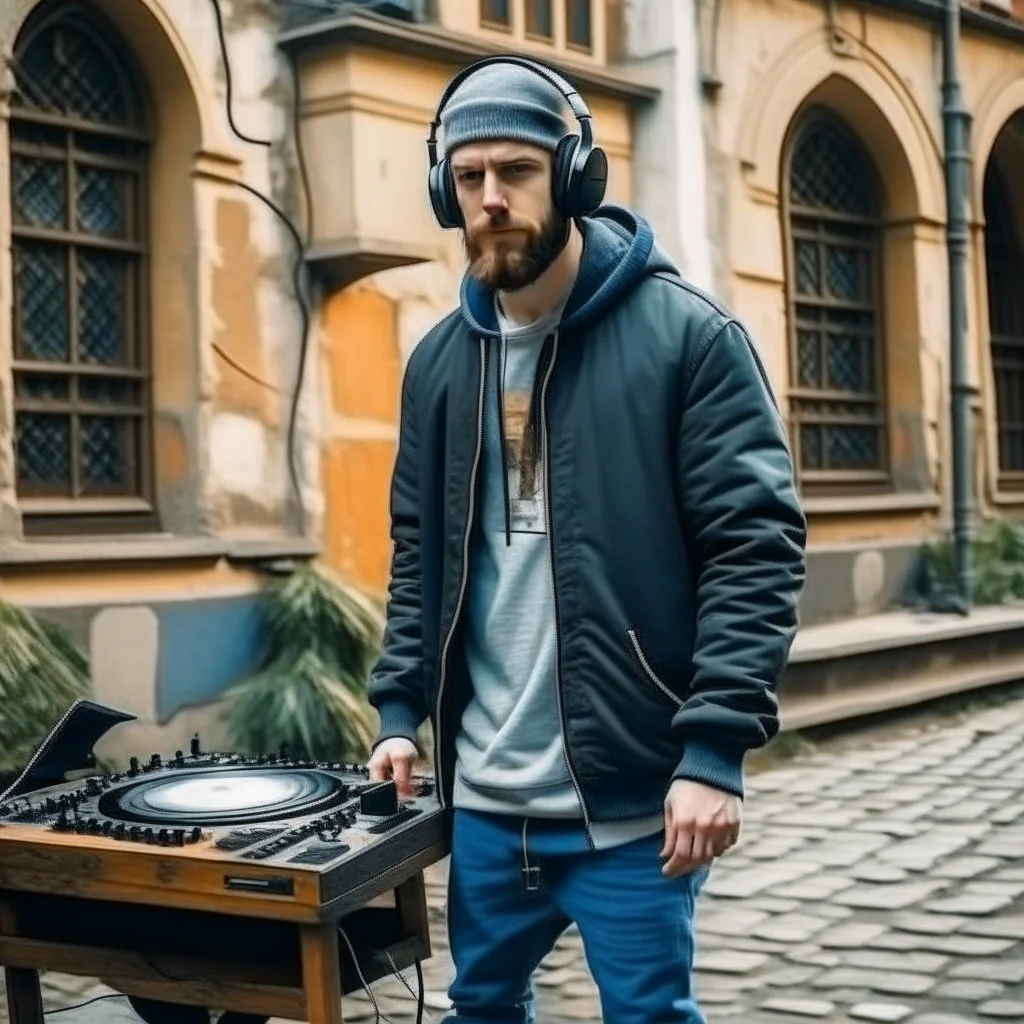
(670, 833)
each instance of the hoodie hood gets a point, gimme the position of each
(619, 251)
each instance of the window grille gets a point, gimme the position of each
(78, 162)
(833, 222)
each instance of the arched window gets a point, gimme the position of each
(78, 172)
(1005, 265)
(832, 213)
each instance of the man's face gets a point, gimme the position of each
(512, 231)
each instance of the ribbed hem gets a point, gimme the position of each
(717, 766)
(624, 799)
(397, 719)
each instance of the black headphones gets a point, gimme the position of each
(580, 169)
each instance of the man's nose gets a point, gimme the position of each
(494, 197)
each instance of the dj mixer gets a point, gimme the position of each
(271, 825)
(198, 851)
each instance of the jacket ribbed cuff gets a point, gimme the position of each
(397, 719)
(718, 766)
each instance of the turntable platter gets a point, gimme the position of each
(227, 794)
(218, 797)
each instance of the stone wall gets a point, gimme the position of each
(223, 325)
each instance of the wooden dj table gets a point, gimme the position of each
(155, 923)
(273, 909)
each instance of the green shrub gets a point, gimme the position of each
(41, 674)
(309, 692)
(998, 562)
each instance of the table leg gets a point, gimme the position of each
(24, 999)
(321, 973)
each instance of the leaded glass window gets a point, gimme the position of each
(77, 216)
(833, 219)
(1004, 260)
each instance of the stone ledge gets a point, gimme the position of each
(865, 667)
(901, 501)
(892, 693)
(892, 630)
(157, 548)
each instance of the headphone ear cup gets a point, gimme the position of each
(592, 181)
(561, 184)
(442, 196)
(451, 200)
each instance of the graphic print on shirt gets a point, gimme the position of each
(523, 463)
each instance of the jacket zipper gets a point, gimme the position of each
(650, 673)
(499, 389)
(554, 585)
(438, 744)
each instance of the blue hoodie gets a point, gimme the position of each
(649, 644)
(510, 753)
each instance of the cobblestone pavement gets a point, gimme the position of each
(878, 883)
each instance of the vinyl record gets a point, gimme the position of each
(225, 796)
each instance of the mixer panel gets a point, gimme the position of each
(269, 822)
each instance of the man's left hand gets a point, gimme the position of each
(701, 823)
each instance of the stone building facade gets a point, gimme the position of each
(824, 135)
(215, 257)
(217, 254)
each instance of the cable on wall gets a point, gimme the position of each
(298, 267)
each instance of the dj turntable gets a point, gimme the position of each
(249, 859)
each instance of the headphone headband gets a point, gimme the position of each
(576, 102)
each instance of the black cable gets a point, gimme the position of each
(422, 993)
(219, 15)
(300, 246)
(88, 1002)
(420, 996)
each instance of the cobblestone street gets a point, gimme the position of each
(880, 883)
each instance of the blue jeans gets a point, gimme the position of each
(504, 917)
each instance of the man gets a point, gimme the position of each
(598, 553)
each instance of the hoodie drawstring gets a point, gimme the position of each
(530, 872)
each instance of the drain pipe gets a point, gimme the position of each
(957, 161)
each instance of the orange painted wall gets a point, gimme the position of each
(364, 370)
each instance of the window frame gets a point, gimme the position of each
(135, 510)
(572, 44)
(1006, 340)
(494, 23)
(827, 481)
(530, 19)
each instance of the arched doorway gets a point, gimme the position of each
(1004, 262)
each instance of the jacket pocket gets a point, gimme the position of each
(647, 672)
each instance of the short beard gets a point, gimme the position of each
(508, 270)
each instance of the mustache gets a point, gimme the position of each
(493, 223)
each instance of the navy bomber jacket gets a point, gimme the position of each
(677, 538)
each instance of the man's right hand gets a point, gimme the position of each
(394, 759)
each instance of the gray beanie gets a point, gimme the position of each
(505, 101)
